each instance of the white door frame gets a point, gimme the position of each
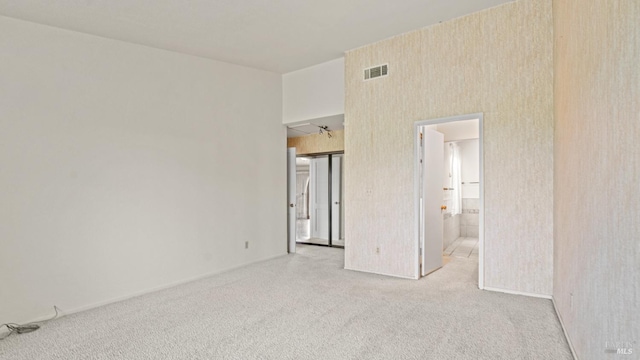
(417, 185)
(336, 197)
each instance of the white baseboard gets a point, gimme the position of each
(62, 311)
(513, 292)
(564, 330)
(381, 273)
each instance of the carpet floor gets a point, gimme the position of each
(305, 306)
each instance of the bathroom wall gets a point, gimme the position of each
(470, 156)
(470, 166)
(451, 229)
(469, 219)
(466, 224)
(450, 223)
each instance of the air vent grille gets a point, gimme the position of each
(376, 72)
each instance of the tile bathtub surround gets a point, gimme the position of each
(451, 229)
(470, 218)
(470, 203)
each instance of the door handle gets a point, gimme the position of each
(443, 207)
(291, 205)
(337, 202)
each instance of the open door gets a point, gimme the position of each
(432, 167)
(291, 199)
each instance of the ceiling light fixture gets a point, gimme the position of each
(324, 128)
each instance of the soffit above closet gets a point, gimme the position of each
(310, 127)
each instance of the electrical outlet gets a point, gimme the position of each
(378, 250)
(246, 244)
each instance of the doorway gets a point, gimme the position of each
(318, 201)
(449, 196)
(461, 194)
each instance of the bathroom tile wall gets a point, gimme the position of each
(470, 218)
(451, 229)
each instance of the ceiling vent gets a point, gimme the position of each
(376, 72)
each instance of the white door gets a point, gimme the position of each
(291, 199)
(319, 195)
(432, 199)
(336, 198)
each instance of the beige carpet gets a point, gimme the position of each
(304, 306)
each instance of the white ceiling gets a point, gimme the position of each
(460, 130)
(275, 35)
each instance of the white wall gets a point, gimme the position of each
(460, 130)
(314, 92)
(469, 167)
(122, 171)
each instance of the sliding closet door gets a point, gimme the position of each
(319, 199)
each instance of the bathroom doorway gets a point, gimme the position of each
(449, 193)
(461, 187)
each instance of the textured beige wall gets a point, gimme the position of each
(597, 174)
(316, 143)
(499, 62)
